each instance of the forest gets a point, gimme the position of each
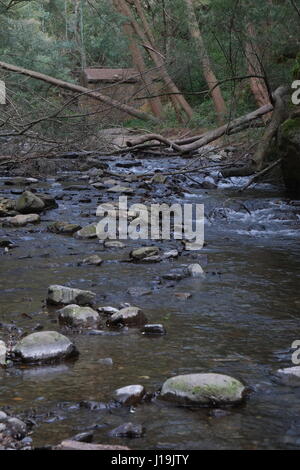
(149, 226)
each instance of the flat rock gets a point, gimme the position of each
(107, 310)
(139, 291)
(93, 260)
(129, 316)
(114, 244)
(21, 220)
(29, 203)
(120, 189)
(144, 252)
(203, 390)
(153, 329)
(44, 346)
(76, 316)
(128, 430)
(63, 227)
(130, 395)
(66, 295)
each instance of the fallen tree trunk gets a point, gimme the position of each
(80, 89)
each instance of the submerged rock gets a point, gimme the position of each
(144, 252)
(21, 220)
(63, 227)
(129, 316)
(93, 260)
(128, 430)
(130, 395)
(29, 203)
(203, 390)
(43, 347)
(289, 376)
(66, 295)
(76, 316)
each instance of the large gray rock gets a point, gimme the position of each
(129, 316)
(203, 389)
(130, 395)
(144, 252)
(77, 316)
(61, 295)
(289, 376)
(43, 347)
(21, 220)
(29, 203)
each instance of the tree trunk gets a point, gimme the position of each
(208, 73)
(82, 90)
(156, 57)
(139, 64)
(258, 86)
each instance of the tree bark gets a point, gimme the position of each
(82, 90)
(139, 64)
(208, 72)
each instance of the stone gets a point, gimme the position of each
(153, 329)
(3, 417)
(76, 316)
(89, 231)
(63, 227)
(128, 430)
(43, 347)
(195, 270)
(175, 275)
(171, 254)
(114, 244)
(48, 200)
(130, 395)
(106, 361)
(93, 260)
(120, 189)
(158, 178)
(289, 376)
(139, 291)
(7, 206)
(203, 390)
(75, 445)
(128, 316)
(21, 220)
(17, 428)
(107, 310)
(3, 351)
(183, 295)
(84, 437)
(144, 252)
(29, 203)
(67, 295)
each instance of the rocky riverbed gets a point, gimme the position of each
(146, 344)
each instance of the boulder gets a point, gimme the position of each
(203, 390)
(63, 227)
(89, 231)
(195, 270)
(144, 252)
(76, 316)
(29, 203)
(130, 395)
(61, 295)
(129, 316)
(289, 376)
(21, 220)
(44, 346)
(48, 200)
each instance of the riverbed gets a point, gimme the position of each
(240, 320)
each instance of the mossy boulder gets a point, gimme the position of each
(203, 390)
(289, 151)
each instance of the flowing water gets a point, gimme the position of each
(241, 320)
